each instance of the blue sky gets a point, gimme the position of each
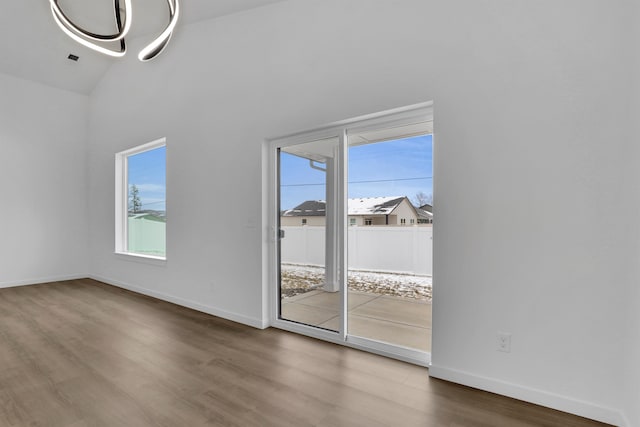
(147, 171)
(392, 168)
(401, 167)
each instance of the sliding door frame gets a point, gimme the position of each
(399, 117)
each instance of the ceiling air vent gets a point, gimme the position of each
(73, 57)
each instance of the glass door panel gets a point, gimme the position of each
(389, 229)
(309, 288)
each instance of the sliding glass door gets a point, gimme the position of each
(389, 237)
(309, 289)
(352, 220)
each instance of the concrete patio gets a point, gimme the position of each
(395, 320)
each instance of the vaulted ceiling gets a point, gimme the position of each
(34, 48)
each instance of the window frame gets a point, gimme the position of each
(122, 199)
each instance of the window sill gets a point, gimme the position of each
(140, 258)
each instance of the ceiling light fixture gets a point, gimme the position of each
(123, 24)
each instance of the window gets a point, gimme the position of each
(368, 221)
(403, 221)
(412, 221)
(141, 214)
(304, 221)
(352, 221)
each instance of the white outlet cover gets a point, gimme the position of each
(504, 342)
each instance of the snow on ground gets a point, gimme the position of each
(298, 279)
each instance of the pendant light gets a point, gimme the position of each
(100, 42)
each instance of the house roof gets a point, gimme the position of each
(374, 205)
(308, 208)
(424, 214)
(358, 206)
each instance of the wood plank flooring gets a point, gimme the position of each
(82, 353)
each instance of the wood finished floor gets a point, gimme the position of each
(82, 353)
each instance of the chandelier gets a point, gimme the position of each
(101, 42)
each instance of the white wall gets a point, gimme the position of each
(631, 350)
(531, 145)
(43, 212)
(631, 353)
(531, 139)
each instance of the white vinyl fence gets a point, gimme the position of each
(396, 249)
(147, 237)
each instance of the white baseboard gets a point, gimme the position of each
(235, 317)
(538, 397)
(39, 280)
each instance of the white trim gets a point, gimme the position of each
(145, 259)
(393, 351)
(234, 317)
(307, 330)
(376, 347)
(121, 202)
(272, 232)
(157, 143)
(266, 252)
(527, 394)
(40, 280)
(342, 203)
(395, 116)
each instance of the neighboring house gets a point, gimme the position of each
(425, 214)
(395, 210)
(311, 212)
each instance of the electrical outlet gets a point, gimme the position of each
(504, 342)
